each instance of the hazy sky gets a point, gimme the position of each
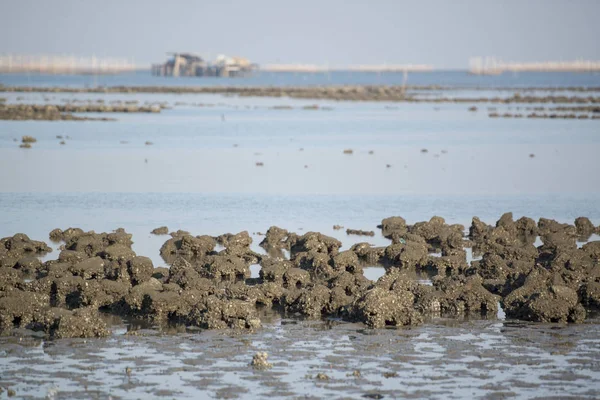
(444, 33)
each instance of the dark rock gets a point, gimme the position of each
(163, 230)
(584, 227)
(140, 269)
(393, 224)
(543, 299)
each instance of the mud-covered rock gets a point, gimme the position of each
(163, 230)
(359, 232)
(315, 242)
(63, 288)
(347, 261)
(527, 230)
(226, 268)
(59, 323)
(28, 265)
(550, 226)
(91, 268)
(368, 254)
(216, 313)
(407, 255)
(9, 279)
(272, 270)
(584, 227)
(295, 278)
(495, 241)
(393, 225)
(242, 239)
(447, 265)
(275, 238)
(19, 246)
(97, 294)
(378, 308)
(352, 284)
(58, 234)
(311, 301)
(184, 274)
(140, 269)
(506, 221)
(93, 244)
(244, 253)
(272, 293)
(465, 295)
(319, 265)
(544, 299)
(19, 308)
(187, 246)
(478, 229)
(117, 252)
(71, 256)
(589, 294)
(259, 360)
(555, 246)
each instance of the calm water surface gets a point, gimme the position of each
(440, 78)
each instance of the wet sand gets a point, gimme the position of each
(443, 359)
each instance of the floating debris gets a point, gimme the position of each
(348, 151)
(359, 232)
(260, 164)
(28, 139)
(25, 146)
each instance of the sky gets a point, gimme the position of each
(442, 33)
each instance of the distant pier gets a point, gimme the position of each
(188, 64)
(54, 64)
(493, 66)
(357, 68)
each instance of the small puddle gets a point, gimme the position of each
(254, 270)
(374, 273)
(501, 315)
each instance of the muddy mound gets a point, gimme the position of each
(209, 285)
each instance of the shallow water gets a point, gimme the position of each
(193, 178)
(442, 359)
(215, 149)
(36, 214)
(442, 78)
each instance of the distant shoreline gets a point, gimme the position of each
(393, 93)
(302, 70)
